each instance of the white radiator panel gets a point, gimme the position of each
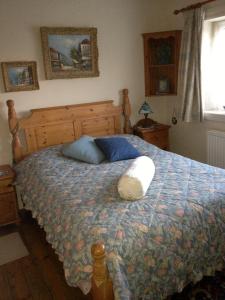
(216, 148)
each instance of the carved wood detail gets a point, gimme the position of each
(102, 288)
(58, 125)
(126, 112)
(14, 130)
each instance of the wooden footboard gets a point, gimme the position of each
(102, 288)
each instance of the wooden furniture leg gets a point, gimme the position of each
(102, 288)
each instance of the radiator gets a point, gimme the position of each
(216, 148)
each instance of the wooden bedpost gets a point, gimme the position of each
(102, 288)
(14, 129)
(126, 112)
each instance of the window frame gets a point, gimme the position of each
(217, 115)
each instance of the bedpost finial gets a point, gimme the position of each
(101, 283)
(10, 103)
(98, 251)
(125, 92)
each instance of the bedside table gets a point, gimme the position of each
(156, 134)
(8, 200)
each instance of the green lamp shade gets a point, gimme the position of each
(145, 108)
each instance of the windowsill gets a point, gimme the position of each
(217, 116)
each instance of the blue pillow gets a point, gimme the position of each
(117, 148)
(85, 150)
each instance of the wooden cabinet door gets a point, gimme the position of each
(158, 138)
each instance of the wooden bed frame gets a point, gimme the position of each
(57, 125)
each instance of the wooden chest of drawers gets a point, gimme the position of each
(8, 201)
(157, 135)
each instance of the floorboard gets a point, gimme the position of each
(40, 275)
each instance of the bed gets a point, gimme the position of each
(146, 249)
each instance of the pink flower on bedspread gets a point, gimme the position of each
(180, 212)
(120, 234)
(79, 246)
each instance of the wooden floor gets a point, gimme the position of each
(38, 276)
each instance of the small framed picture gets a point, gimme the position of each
(163, 86)
(20, 76)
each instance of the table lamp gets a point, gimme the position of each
(145, 110)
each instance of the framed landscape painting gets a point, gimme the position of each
(69, 52)
(20, 76)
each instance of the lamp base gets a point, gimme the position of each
(146, 120)
(146, 123)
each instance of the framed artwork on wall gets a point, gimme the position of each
(69, 52)
(20, 76)
(163, 86)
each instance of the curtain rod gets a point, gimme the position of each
(193, 6)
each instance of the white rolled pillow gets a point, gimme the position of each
(134, 183)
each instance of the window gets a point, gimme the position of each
(213, 68)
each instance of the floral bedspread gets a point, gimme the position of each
(156, 245)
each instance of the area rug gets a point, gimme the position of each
(209, 288)
(11, 248)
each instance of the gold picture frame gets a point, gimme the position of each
(20, 76)
(69, 52)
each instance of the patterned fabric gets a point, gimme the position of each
(155, 246)
(190, 65)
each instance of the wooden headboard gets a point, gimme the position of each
(58, 125)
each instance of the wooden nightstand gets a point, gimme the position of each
(8, 201)
(156, 134)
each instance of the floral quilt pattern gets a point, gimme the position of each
(155, 246)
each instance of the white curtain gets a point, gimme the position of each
(190, 66)
(213, 65)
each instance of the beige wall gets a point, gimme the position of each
(188, 139)
(120, 24)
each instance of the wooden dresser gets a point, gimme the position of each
(156, 134)
(8, 200)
